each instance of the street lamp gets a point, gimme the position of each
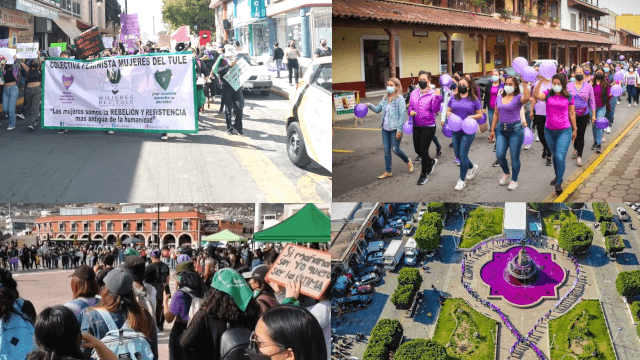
(91, 9)
(614, 338)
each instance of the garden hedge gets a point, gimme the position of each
(614, 243)
(409, 281)
(628, 283)
(437, 208)
(608, 228)
(427, 235)
(635, 310)
(575, 237)
(409, 275)
(385, 337)
(602, 211)
(421, 349)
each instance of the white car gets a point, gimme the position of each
(635, 206)
(309, 122)
(540, 61)
(622, 214)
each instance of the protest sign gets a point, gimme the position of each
(27, 50)
(205, 37)
(312, 268)
(130, 31)
(181, 34)
(150, 93)
(238, 74)
(62, 46)
(108, 42)
(25, 36)
(55, 51)
(4, 43)
(164, 40)
(89, 43)
(8, 54)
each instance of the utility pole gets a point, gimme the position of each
(125, 7)
(154, 25)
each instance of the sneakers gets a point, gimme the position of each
(164, 136)
(636, 104)
(457, 161)
(11, 127)
(513, 185)
(435, 161)
(574, 155)
(409, 165)
(417, 160)
(110, 132)
(439, 151)
(629, 105)
(496, 163)
(31, 128)
(608, 130)
(240, 132)
(553, 181)
(385, 175)
(62, 131)
(537, 138)
(20, 116)
(451, 145)
(618, 102)
(544, 153)
(504, 179)
(460, 185)
(594, 146)
(229, 131)
(558, 189)
(598, 149)
(472, 172)
(527, 147)
(579, 162)
(549, 163)
(603, 139)
(494, 147)
(422, 180)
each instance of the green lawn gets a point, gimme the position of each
(591, 323)
(481, 224)
(482, 348)
(552, 218)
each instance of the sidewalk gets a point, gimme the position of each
(281, 85)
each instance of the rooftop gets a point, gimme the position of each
(344, 233)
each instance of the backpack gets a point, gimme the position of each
(125, 342)
(233, 344)
(16, 335)
(196, 303)
(143, 298)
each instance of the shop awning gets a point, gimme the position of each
(224, 235)
(307, 225)
(68, 28)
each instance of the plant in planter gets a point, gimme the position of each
(554, 20)
(527, 16)
(505, 13)
(477, 4)
(542, 18)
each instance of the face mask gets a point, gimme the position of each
(630, 70)
(495, 78)
(323, 43)
(253, 355)
(573, 79)
(509, 89)
(557, 88)
(599, 76)
(463, 89)
(606, 70)
(587, 72)
(423, 84)
(521, 89)
(579, 77)
(391, 89)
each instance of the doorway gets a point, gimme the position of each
(500, 55)
(376, 62)
(457, 56)
(523, 51)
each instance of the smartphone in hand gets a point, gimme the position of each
(166, 289)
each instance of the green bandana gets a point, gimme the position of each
(231, 282)
(130, 251)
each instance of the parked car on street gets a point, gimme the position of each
(622, 214)
(375, 255)
(361, 290)
(369, 279)
(260, 80)
(378, 269)
(350, 303)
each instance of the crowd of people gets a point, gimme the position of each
(221, 307)
(557, 109)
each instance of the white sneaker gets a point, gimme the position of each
(527, 147)
(618, 102)
(629, 105)
(603, 139)
(608, 130)
(164, 137)
(460, 185)
(537, 138)
(472, 172)
(504, 179)
(20, 116)
(636, 104)
(513, 185)
(110, 132)
(11, 127)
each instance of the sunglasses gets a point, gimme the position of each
(254, 344)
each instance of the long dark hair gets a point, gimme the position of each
(563, 81)
(221, 306)
(139, 318)
(296, 328)
(604, 85)
(57, 332)
(8, 294)
(472, 91)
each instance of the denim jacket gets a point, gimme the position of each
(397, 115)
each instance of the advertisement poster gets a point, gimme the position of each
(345, 103)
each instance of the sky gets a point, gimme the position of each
(618, 6)
(146, 9)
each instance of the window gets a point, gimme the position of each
(85, 226)
(125, 226)
(322, 77)
(573, 22)
(185, 224)
(109, 225)
(98, 226)
(74, 226)
(170, 225)
(154, 225)
(139, 226)
(61, 226)
(71, 6)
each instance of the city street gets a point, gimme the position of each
(359, 160)
(91, 166)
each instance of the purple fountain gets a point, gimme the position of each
(522, 270)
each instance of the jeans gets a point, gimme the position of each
(528, 118)
(233, 103)
(597, 133)
(490, 113)
(631, 93)
(422, 137)
(292, 65)
(510, 136)
(390, 143)
(278, 64)
(461, 145)
(539, 122)
(558, 141)
(436, 142)
(582, 122)
(9, 99)
(32, 97)
(610, 114)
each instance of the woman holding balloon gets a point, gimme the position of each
(511, 128)
(585, 109)
(560, 129)
(601, 92)
(394, 114)
(424, 104)
(463, 111)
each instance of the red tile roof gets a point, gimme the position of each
(407, 13)
(618, 47)
(630, 32)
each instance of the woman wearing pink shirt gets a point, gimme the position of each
(560, 128)
(601, 92)
(585, 109)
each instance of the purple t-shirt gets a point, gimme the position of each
(180, 304)
(509, 113)
(558, 112)
(464, 107)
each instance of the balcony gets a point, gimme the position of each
(477, 6)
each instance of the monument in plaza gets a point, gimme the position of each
(522, 270)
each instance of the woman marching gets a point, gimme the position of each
(631, 80)
(560, 128)
(511, 128)
(539, 111)
(585, 109)
(424, 103)
(394, 114)
(490, 96)
(602, 95)
(464, 104)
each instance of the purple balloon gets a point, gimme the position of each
(602, 123)
(483, 119)
(609, 61)
(621, 57)
(529, 74)
(455, 122)
(616, 90)
(361, 110)
(528, 136)
(446, 131)
(407, 128)
(547, 69)
(519, 64)
(469, 126)
(618, 76)
(445, 80)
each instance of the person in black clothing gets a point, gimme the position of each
(278, 55)
(323, 50)
(157, 275)
(233, 99)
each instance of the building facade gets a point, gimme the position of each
(175, 228)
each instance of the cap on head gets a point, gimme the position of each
(118, 282)
(84, 272)
(259, 273)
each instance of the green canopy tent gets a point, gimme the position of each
(224, 237)
(307, 225)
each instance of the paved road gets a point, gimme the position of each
(356, 171)
(90, 166)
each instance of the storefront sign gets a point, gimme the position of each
(258, 10)
(27, 50)
(14, 19)
(25, 36)
(311, 268)
(36, 9)
(88, 43)
(54, 3)
(150, 93)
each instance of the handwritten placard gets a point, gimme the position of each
(27, 50)
(55, 51)
(312, 268)
(108, 42)
(89, 43)
(238, 74)
(63, 46)
(4, 43)
(8, 54)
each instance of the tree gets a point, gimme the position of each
(421, 349)
(118, 242)
(608, 228)
(575, 237)
(427, 237)
(385, 336)
(409, 275)
(112, 11)
(614, 243)
(402, 296)
(195, 13)
(628, 283)
(437, 208)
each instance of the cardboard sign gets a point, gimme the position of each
(8, 54)
(108, 42)
(25, 36)
(55, 51)
(89, 43)
(345, 103)
(312, 268)
(63, 46)
(164, 40)
(27, 50)
(4, 43)
(205, 37)
(238, 74)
